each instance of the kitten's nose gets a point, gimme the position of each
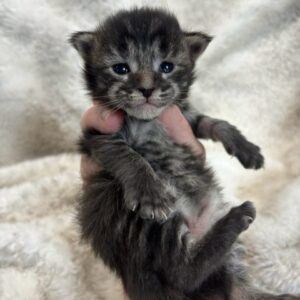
(146, 92)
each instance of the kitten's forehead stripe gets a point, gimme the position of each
(144, 29)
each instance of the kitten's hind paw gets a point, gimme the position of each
(242, 216)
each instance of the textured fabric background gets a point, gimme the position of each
(250, 76)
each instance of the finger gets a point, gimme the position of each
(102, 119)
(179, 129)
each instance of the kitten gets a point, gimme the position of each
(156, 214)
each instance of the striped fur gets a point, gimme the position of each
(156, 215)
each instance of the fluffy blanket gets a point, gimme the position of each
(250, 76)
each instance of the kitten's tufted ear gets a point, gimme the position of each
(197, 43)
(82, 41)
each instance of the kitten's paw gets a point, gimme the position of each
(157, 206)
(242, 216)
(154, 204)
(237, 145)
(247, 153)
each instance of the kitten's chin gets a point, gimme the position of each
(145, 111)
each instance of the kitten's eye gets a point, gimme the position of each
(121, 69)
(166, 67)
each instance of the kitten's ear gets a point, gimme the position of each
(82, 41)
(197, 43)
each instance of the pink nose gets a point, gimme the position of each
(146, 92)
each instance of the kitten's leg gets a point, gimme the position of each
(189, 264)
(142, 188)
(232, 139)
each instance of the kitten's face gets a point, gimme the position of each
(139, 61)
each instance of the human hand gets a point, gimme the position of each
(107, 122)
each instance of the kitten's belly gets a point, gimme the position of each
(201, 215)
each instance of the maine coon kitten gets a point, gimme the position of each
(156, 215)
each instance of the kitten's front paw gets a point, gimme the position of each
(242, 216)
(237, 145)
(247, 153)
(154, 203)
(157, 206)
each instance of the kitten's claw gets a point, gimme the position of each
(156, 207)
(161, 215)
(155, 212)
(131, 203)
(152, 215)
(152, 203)
(164, 215)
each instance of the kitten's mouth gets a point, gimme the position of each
(144, 103)
(145, 109)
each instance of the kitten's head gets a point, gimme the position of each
(140, 61)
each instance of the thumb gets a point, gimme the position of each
(179, 129)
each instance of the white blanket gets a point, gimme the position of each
(249, 75)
